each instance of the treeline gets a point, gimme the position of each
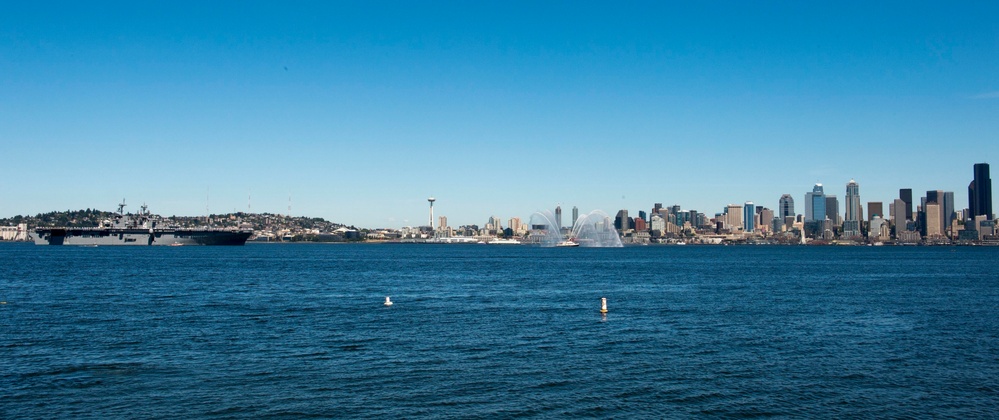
(265, 221)
(70, 218)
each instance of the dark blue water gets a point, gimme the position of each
(492, 331)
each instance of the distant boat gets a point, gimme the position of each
(567, 243)
(498, 241)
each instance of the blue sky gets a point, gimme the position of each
(359, 111)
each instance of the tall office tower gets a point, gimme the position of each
(786, 206)
(980, 193)
(733, 216)
(906, 195)
(621, 221)
(515, 224)
(442, 223)
(494, 223)
(933, 226)
(657, 225)
(948, 208)
(832, 210)
(748, 216)
(933, 196)
(768, 221)
(851, 220)
(642, 215)
(815, 203)
(940, 198)
(575, 215)
(808, 206)
(898, 214)
(875, 208)
(558, 217)
(656, 208)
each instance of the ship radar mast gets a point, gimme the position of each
(121, 207)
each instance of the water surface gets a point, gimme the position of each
(485, 331)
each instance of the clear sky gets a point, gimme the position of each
(359, 111)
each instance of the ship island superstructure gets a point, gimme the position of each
(143, 228)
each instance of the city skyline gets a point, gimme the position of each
(357, 113)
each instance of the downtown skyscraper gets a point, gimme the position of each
(748, 217)
(851, 223)
(980, 193)
(785, 207)
(815, 204)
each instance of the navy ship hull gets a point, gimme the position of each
(140, 237)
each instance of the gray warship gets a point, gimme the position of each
(138, 229)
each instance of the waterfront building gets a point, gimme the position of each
(14, 233)
(980, 193)
(442, 223)
(748, 217)
(785, 206)
(909, 237)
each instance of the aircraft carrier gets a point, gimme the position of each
(137, 229)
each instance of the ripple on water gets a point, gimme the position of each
(291, 331)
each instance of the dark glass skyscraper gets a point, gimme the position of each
(785, 207)
(906, 195)
(980, 192)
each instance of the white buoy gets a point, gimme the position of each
(603, 305)
(388, 302)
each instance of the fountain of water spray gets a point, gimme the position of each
(594, 229)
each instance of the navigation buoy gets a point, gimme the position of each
(603, 305)
(388, 302)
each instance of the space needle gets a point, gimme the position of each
(431, 200)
